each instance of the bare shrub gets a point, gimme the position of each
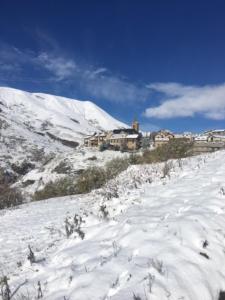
(134, 159)
(174, 149)
(110, 191)
(40, 293)
(222, 191)
(151, 279)
(116, 166)
(222, 295)
(62, 187)
(31, 256)
(96, 177)
(37, 154)
(73, 225)
(104, 212)
(88, 180)
(92, 178)
(180, 163)
(136, 297)
(5, 290)
(157, 265)
(92, 158)
(23, 168)
(63, 167)
(7, 294)
(7, 177)
(116, 249)
(205, 244)
(166, 169)
(9, 196)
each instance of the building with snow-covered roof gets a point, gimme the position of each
(185, 135)
(118, 139)
(216, 138)
(124, 140)
(201, 138)
(95, 140)
(220, 132)
(162, 137)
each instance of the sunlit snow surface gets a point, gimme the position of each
(69, 117)
(29, 120)
(164, 238)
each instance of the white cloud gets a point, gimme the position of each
(61, 67)
(67, 71)
(188, 101)
(99, 71)
(115, 89)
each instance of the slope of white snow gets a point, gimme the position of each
(70, 117)
(35, 126)
(34, 118)
(163, 238)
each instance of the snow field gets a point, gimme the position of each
(164, 238)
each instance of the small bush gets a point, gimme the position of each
(23, 168)
(104, 212)
(63, 168)
(62, 187)
(95, 177)
(5, 291)
(92, 158)
(31, 256)
(135, 159)
(136, 297)
(37, 154)
(7, 177)
(92, 178)
(88, 180)
(222, 295)
(9, 196)
(73, 225)
(174, 149)
(166, 169)
(116, 166)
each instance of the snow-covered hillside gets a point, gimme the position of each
(66, 118)
(37, 128)
(146, 237)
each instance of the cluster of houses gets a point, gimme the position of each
(117, 139)
(131, 139)
(209, 141)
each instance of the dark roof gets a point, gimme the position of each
(125, 130)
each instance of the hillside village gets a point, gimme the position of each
(132, 139)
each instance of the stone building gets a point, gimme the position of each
(118, 139)
(162, 137)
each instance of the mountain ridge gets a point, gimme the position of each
(37, 122)
(84, 117)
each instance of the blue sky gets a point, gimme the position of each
(160, 61)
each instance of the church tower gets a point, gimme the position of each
(135, 125)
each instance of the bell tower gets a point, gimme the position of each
(135, 125)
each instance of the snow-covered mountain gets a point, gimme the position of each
(32, 122)
(66, 118)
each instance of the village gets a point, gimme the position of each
(133, 139)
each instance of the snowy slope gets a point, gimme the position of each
(69, 118)
(164, 238)
(35, 123)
